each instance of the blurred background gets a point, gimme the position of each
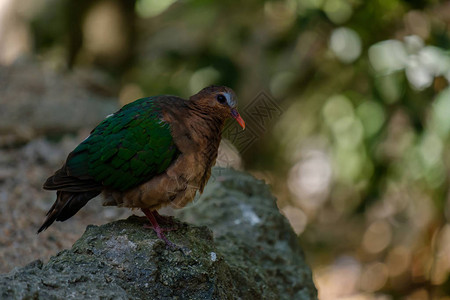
(357, 150)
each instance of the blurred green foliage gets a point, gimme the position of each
(359, 159)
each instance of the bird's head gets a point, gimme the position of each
(220, 100)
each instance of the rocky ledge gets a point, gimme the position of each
(240, 247)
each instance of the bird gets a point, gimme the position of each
(153, 152)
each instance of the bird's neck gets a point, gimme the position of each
(205, 124)
(194, 128)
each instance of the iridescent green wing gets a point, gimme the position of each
(127, 148)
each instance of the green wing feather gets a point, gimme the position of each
(127, 148)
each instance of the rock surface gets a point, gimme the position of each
(248, 251)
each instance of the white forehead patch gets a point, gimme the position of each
(230, 100)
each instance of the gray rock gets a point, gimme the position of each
(36, 100)
(249, 251)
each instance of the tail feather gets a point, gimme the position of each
(62, 181)
(66, 205)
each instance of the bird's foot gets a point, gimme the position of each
(160, 234)
(162, 229)
(166, 220)
(157, 229)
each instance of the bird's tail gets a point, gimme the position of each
(66, 205)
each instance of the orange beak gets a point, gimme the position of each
(237, 116)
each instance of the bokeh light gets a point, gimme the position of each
(358, 155)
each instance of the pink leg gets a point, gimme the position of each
(155, 226)
(167, 220)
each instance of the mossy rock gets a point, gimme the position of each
(243, 249)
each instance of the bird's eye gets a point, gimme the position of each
(221, 98)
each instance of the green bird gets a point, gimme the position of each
(153, 152)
